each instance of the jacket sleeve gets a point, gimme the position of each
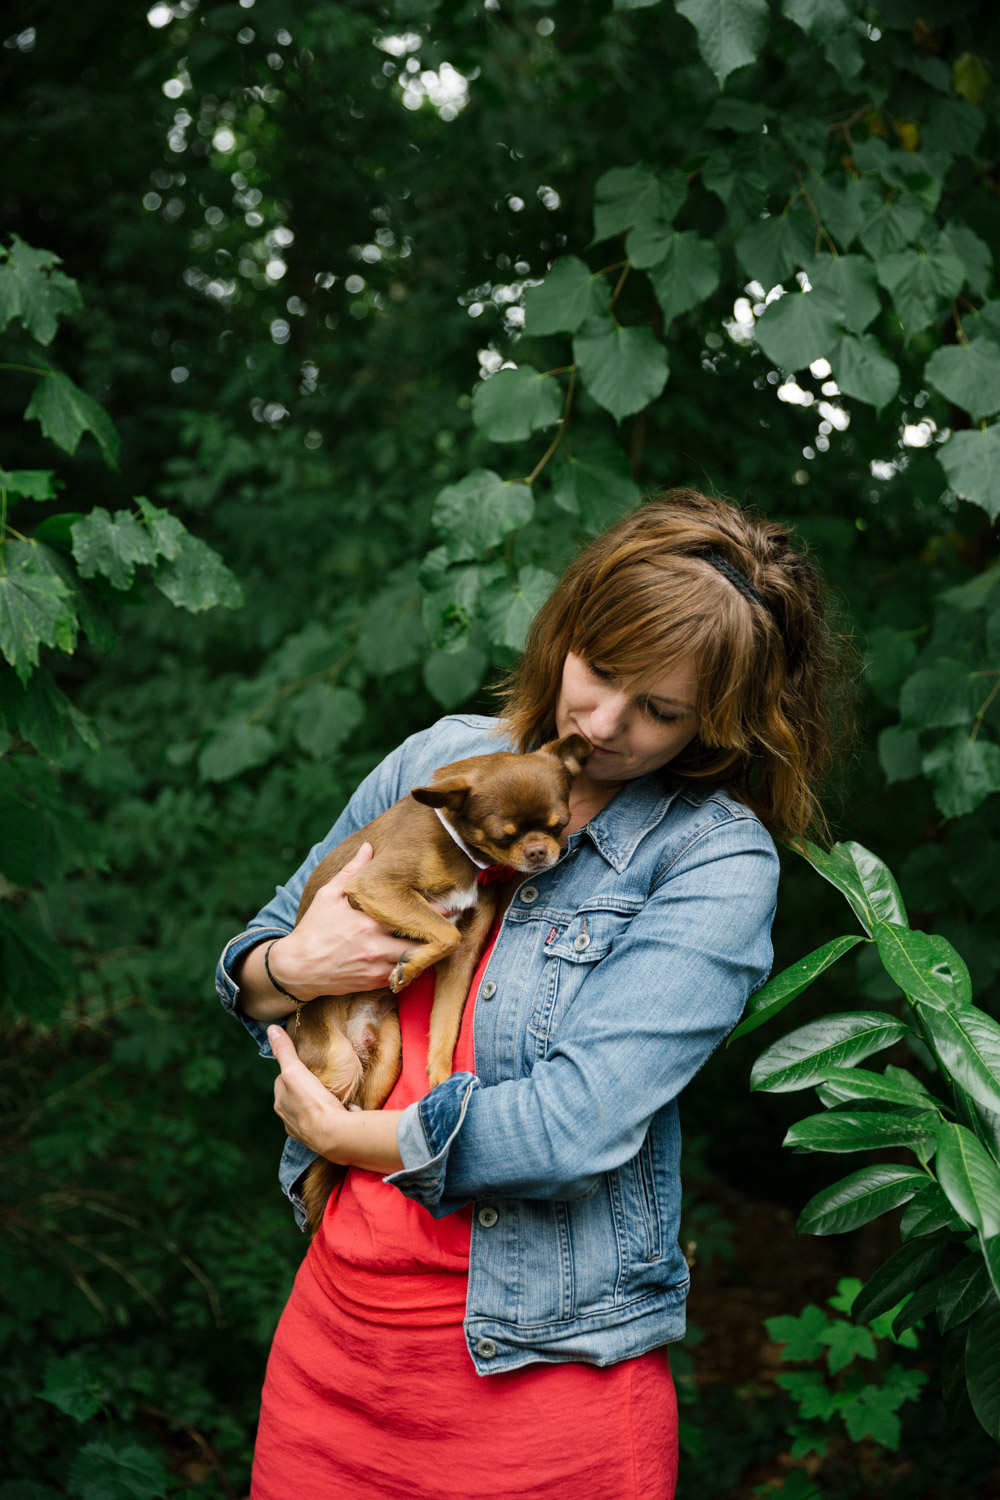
(643, 1023)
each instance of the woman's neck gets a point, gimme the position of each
(586, 799)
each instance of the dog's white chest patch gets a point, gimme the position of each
(457, 901)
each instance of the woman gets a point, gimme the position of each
(520, 1221)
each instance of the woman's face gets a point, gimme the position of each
(634, 728)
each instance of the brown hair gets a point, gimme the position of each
(639, 600)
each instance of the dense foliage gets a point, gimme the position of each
(391, 308)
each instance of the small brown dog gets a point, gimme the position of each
(421, 883)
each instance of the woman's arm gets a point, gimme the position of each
(641, 1026)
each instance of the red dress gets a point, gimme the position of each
(370, 1392)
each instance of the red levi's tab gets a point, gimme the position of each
(495, 872)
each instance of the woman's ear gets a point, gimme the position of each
(450, 793)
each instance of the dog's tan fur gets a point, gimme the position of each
(510, 810)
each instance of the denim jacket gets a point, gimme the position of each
(614, 976)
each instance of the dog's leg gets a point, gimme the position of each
(385, 1063)
(451, 988)
(408, 913)
(322, 1040)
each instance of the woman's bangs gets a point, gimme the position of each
(643, 624)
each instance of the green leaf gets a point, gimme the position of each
(982, 1368)
(686, 275)
(66, 413)
(859, 1198)
(392, 638)
(939, 696)
(623, 369)
(34, 611)
(730, 32)
(991, 1260)
(962, 1292)
(863, 878)
(974, 253)
(899, 753)
(595, 483)
(479, 511)
(867, 1130)
(962, 772)
(971, 461)
(863, 370)
(72, 1386)
(805, 1056)
(568, 296)
(798, 328)
(32, 484)
(235, 747)
(845, 1344)
(843, 204)
(112, 545)
(969, 375)
(928, 1212)
(902, 1273)
(871, 1411)
(890, 226)
(968, 1044)
(453, 676)
(33, 292)
(801, 1335)
(921, 284)
(508, 611)
(513, 404)
(970, 1178)
(842, 1084)
(769, 250)
(849, 280)
(41, 717)
(785, 986)
(324, 717)
(165, 531)
(102, 1472)
(639, 199)
(196, 578)
(924, 965)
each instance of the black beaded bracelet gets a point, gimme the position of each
(279, 987)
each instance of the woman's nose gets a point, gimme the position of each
(609, 715)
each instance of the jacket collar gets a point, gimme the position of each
(618, 829)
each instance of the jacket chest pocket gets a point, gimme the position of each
(571, 953)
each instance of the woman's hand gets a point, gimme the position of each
(334, 950)
(349, 1137)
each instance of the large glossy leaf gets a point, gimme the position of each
(968, 1043)
(807, 1055)
(928, 1212)
(969, 375)
(991, 1258)
(925, 966)
(970, 1178)
(859, 1198)
(982, 1367)
(866, 1130)
(843, 1084)
(962, 1291)
(903, 1272)
(863, 878)
(784, 987)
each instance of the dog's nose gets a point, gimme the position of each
(537, 852)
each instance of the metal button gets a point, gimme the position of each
(488, 1217)
(529, 894)
(486, 1349)
(488, 990)
(581, 942)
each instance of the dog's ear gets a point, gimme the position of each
(572, 750)
(450, 793)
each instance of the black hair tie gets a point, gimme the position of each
(736, 578)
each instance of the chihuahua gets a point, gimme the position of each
(422, 883)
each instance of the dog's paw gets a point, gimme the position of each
(436, 1074)
(403, 974)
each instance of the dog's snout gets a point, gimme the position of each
(538, 852)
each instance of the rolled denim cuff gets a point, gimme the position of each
(229, 991)
(425, 1133)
